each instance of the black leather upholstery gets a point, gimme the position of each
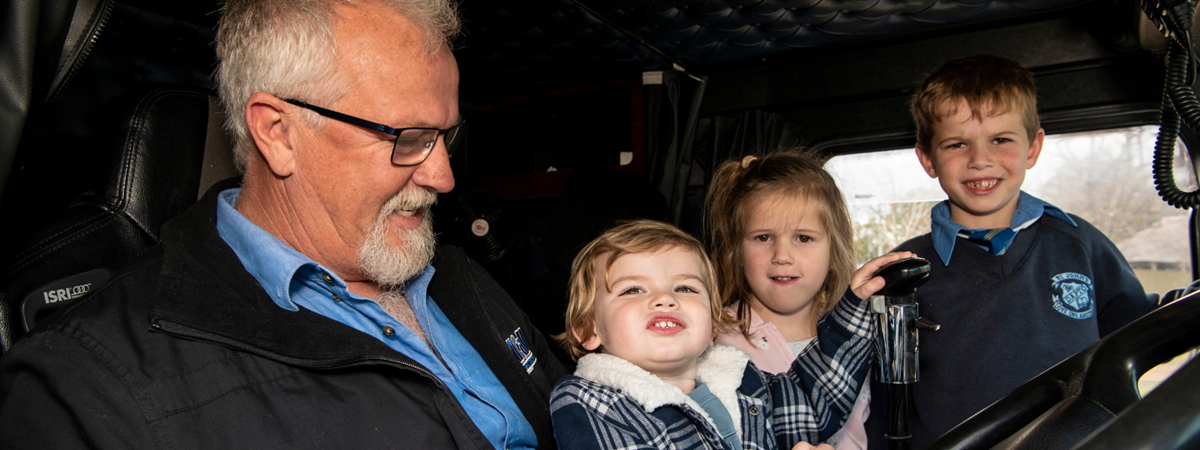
(41, 44)
(157, 139)
(54, 162)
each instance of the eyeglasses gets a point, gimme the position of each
(412, 146)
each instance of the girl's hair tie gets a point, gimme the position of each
(747, 160)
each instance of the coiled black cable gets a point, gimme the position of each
(1179, 104)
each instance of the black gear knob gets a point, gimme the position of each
(903, 277)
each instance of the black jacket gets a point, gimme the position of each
(183, 349)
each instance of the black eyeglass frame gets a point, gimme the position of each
(450, 146)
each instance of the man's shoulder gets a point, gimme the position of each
(134, 287)
(461, 282)
(458, 279)
(453, 262)
(127, 293)
(103, 328)
(186, 267)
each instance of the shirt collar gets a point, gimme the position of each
(1029, 209)
(275, 264)
(271, 261)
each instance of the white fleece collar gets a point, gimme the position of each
(721, 367)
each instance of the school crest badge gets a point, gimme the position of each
(1074, 295)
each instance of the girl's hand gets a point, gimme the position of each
(807, 446)
(864, 282)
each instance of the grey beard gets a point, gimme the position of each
(390, 267)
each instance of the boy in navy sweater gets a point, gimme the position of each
(1017, 284)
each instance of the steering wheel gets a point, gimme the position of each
(1091, 401)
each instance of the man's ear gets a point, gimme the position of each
(1035, 148)
(273, 131)
(926, 161)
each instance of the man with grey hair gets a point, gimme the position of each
(309, 308)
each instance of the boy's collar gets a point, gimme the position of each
(944, 231)
(642, 386)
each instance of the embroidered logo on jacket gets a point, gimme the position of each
(1074, 295)
(516, 343)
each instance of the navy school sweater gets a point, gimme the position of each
(1008, 318)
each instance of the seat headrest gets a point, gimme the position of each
(165, 147)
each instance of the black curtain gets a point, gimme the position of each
(754, 132)
(718, 139)
(683, 150)
(672, 111)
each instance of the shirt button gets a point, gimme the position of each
(753, 410)
(328, 279)
(336, 298)
(389, 331)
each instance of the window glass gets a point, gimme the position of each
(1154, 377)
(1102, 176)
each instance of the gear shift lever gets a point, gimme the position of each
(896, 343)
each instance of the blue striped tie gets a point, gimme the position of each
(996, 240)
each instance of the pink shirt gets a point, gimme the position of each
(769, 351)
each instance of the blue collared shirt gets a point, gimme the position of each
(945, 232)
(294, 280)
